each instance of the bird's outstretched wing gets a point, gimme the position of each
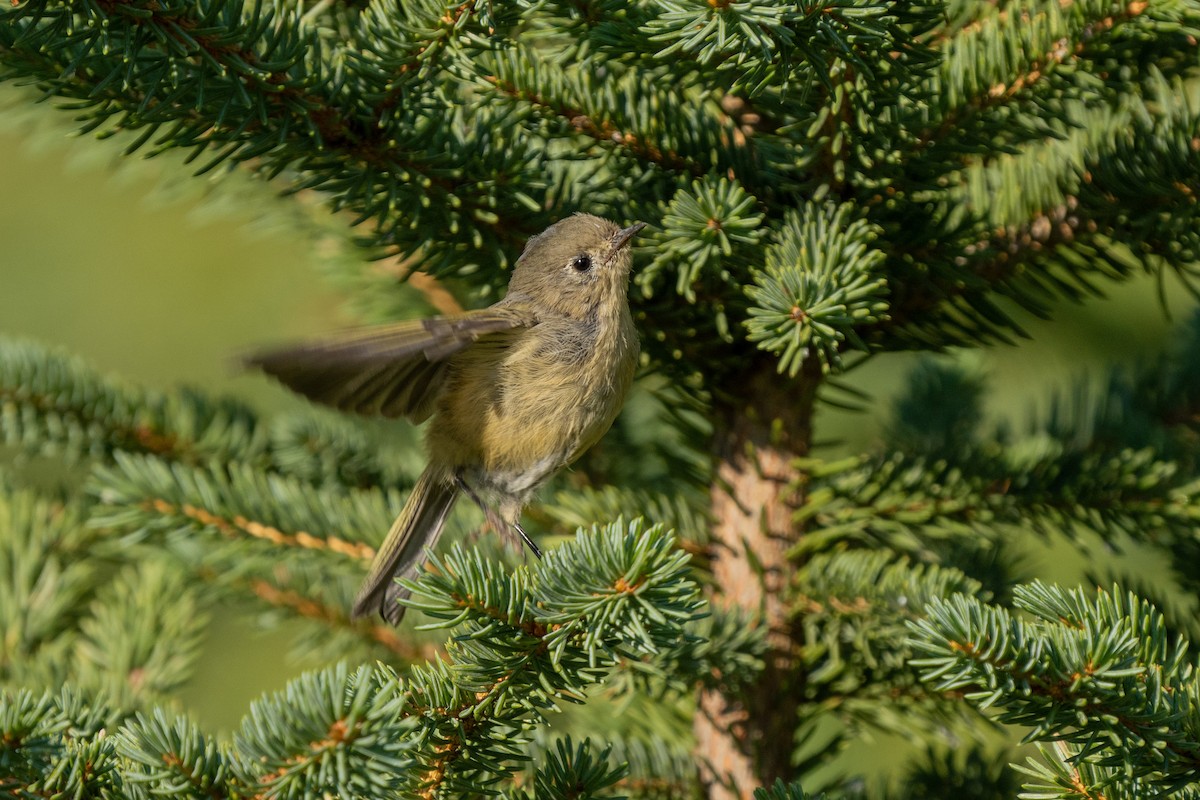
(391, 370)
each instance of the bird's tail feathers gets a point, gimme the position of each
(418, 526)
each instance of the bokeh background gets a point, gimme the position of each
(163, 279)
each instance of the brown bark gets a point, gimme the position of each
(745, 740)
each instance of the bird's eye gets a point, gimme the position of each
(581, 262)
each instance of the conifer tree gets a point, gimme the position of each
(825, 182)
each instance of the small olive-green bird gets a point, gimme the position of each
(516, 391)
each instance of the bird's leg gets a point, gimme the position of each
(494, 519)
(533, 548)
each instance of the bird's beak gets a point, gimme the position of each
(622, 237)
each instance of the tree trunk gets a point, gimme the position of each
(745, 740)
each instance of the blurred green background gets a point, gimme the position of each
(162, 278)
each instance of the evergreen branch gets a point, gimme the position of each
(139, 494)
(1103, 676)
(1060, 231)
(330, 449)
(282, 542)
(29, 729)
(855, 608)
(796, 156)
(71, 613)
(259, 104)
(654, 770)
(140, 648)
(262, 63)
(602, 130)
(420, 59)
(55, 404)
(1062, 774)
(49, 577)
(210, 36)
(1154, 168)
(173, 754)
(781, 791)
(666, 137)
(335, 618)
(1033, 262)
(772, 54)
(239, 526)
(609, 579)
(820, 282)
(474, 586)
(1072, 228)
(910, 503)
(852, 64)
(707, 231)
(842, 116)
(723, 650)
(682, 513)
(575, 772)
(368, 733)
(626, 579)
(961, 769)
(1118, 460)
(54, 746)
(338, 732)
(726, 35)
(534, 637)
(1051, 34)
(940, 410)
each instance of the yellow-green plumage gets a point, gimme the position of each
(516, 391)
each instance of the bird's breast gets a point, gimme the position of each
(516, 412)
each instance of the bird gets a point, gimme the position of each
(513, 392)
